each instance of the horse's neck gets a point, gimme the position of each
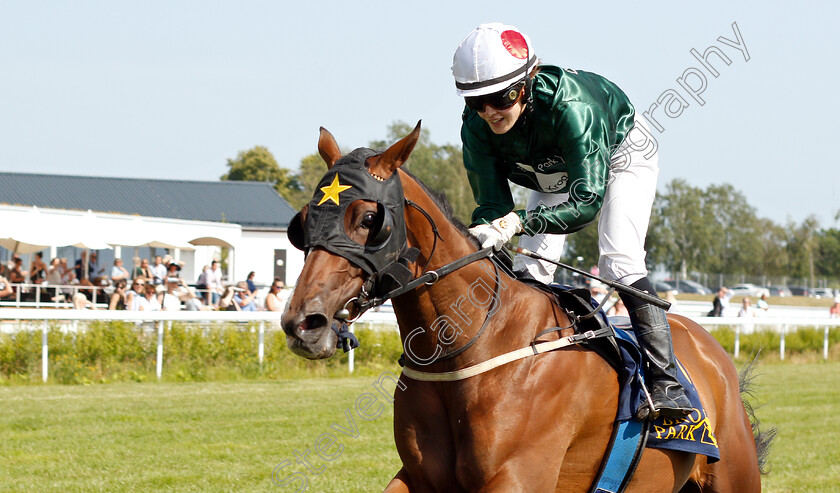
(462, 301)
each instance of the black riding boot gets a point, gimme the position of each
(666, 392)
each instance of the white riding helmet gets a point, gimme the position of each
(491, 58)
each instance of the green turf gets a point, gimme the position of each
(230, 436)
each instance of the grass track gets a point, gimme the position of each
(230, 436)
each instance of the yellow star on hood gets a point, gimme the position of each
(331, 192)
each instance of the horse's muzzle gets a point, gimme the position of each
(310, 336)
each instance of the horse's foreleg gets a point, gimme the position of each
(400, 484)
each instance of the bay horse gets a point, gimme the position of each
(538, 424)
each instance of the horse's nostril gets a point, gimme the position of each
(314, 321)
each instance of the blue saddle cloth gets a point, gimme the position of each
(692, 434)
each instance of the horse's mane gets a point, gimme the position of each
(440, 200)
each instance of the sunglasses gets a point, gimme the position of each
(501, 100)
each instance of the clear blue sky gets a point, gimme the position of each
(174, 89)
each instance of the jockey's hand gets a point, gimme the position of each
(498, 232)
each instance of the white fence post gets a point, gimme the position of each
(782, 343)
(261, 349)
(45, 354)
(737, 340)
(825, 343)
(159, 362)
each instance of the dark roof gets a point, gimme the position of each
(251, 204)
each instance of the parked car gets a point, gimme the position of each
(781, 291)
(663, 287)
(822, 293)
(799, 291)
(747, 289)
(689, 286)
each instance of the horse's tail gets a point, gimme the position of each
(763, 438)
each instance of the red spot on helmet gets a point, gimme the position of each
(515, 44)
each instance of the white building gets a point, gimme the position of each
(192, 221)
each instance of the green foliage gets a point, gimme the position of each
(802, 340)
(258, 164)
(715, 230)
(120, 351)
(827, 253)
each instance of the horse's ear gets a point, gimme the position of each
(385, 164)
(328, 148)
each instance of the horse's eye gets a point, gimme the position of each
(368, 220)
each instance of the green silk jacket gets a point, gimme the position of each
(564, 145)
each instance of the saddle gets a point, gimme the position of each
(615, 342)
(586, 319)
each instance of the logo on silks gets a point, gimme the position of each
(347, 181)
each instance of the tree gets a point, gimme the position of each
(801, 247)
(258, 164)
(828, 253)
(312, 169)
(680, 236)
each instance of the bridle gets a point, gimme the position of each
(386, 259)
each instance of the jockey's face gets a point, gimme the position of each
(501, 121)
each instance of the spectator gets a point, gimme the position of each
(226, 301)
(172, 297)
(214, 283)
(5, 288)
(118, 297)
(118, 272)
(618, 309)
(93, 269)
(178, 292)
(68, 277)
(721, 302)
(150, 301)
(133, 296)
(38, 269)
(762, 304)
(80, 302)
(747, 309)
(244, 298)
(252, 288)
(54, 273)
(158, 271)
(143, 270)
(276, 299)
(16, 274)
(201, 282)
(597, 290)
(173, 269)
(833, 312)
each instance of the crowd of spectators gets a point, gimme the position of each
(153, 284)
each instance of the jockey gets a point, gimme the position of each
(573, 139)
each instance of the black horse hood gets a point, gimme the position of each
(349, 180)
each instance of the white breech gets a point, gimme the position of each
(625, 214)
